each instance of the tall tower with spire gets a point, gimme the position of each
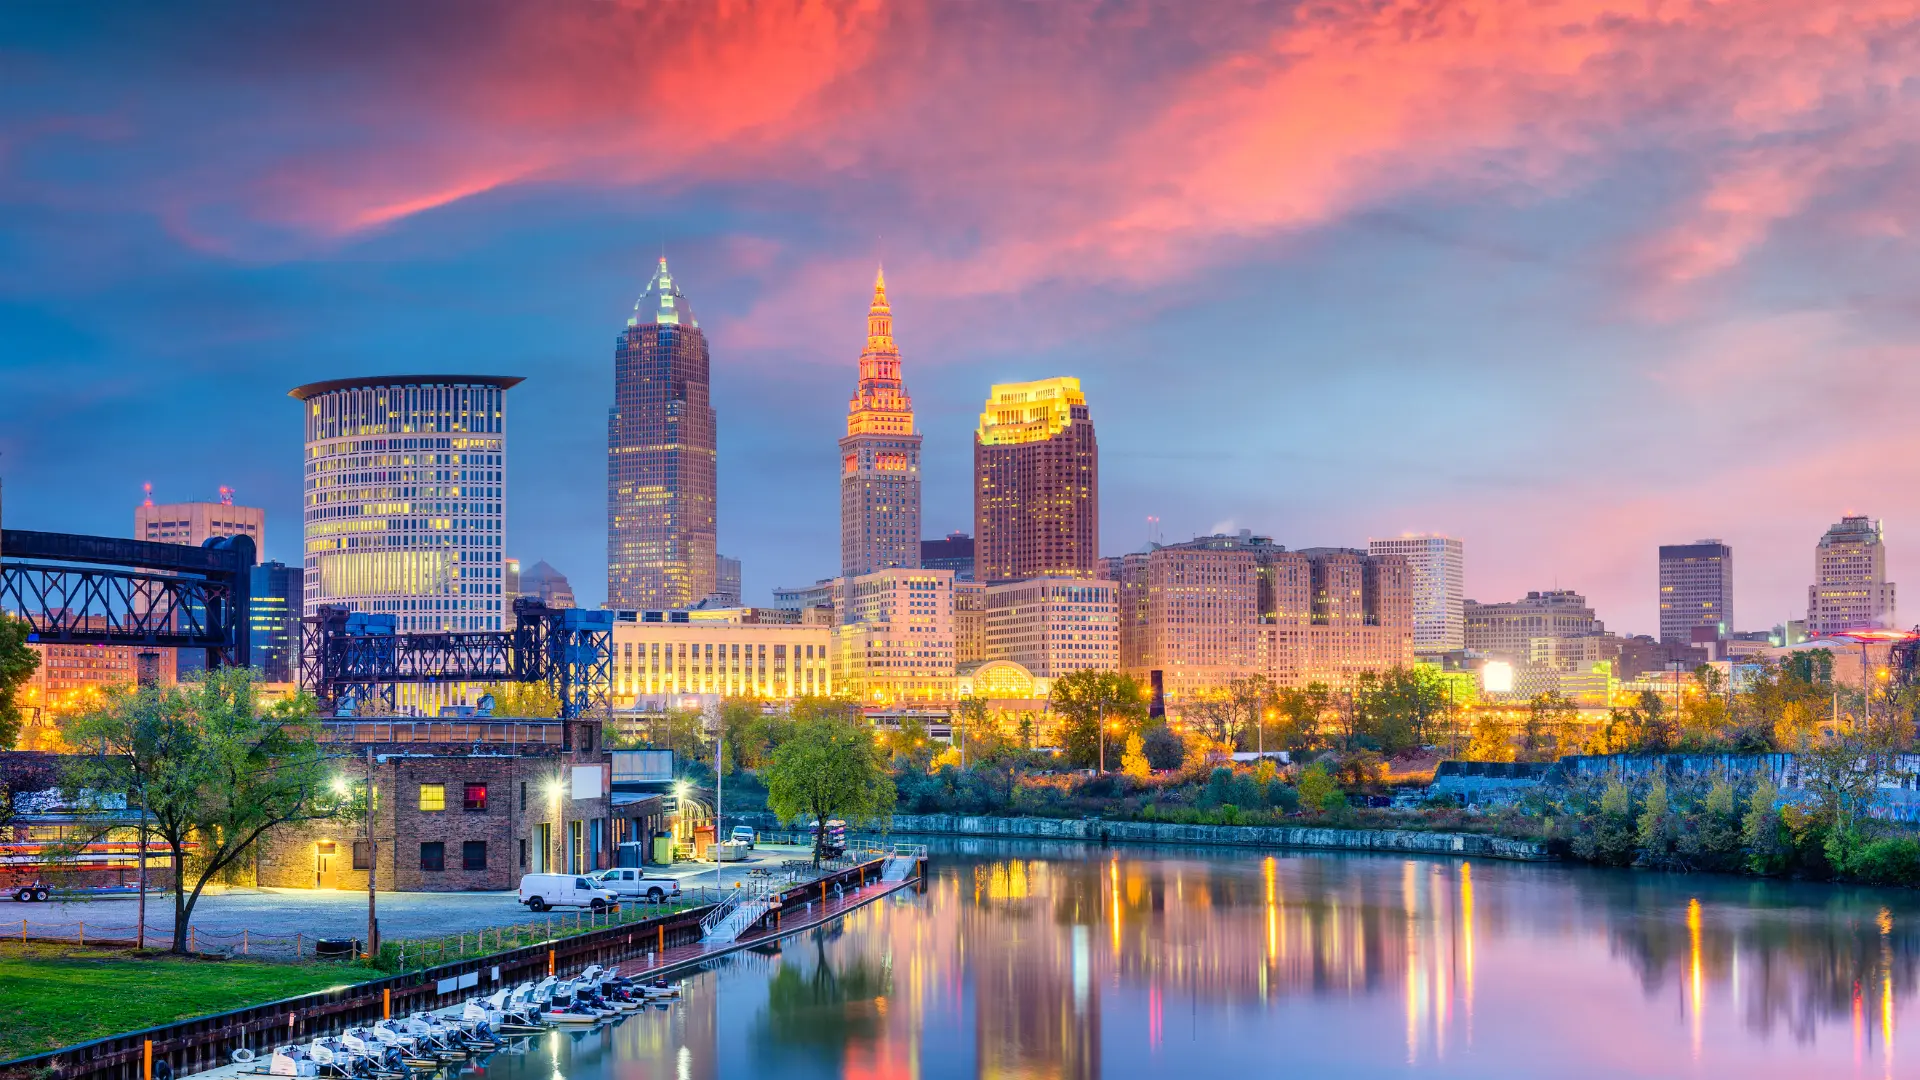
(662, 466)
(880, 457)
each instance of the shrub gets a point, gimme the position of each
(1656, 829)
(1763, 834)
(1317, 791)
(1607, 832)
(1711, 838)
(1889, 860)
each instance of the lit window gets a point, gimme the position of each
(433, 796)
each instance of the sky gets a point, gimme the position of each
(1566, 279)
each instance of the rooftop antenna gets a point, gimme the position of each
(148, 489)
(226, 495)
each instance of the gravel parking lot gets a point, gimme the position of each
(273, 916)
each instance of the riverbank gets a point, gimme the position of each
(1399, 841)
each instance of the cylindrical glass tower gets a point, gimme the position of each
(405, 498)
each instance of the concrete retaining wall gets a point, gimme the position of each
(1086, 829)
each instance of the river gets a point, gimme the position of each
(1028, 959)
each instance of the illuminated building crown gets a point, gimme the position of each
(882, 405)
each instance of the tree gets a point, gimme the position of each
(1299, 715)
(751, 734)
(17, 665)
(1551, 727)
(828, 769)
(1490, 740)
(213, 769)
(1133, 760)
(1088, 701)
(1394, 709)
(532, 700)
(1318, 791)
(1163, 748)
(912, 747)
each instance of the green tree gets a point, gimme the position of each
(1298, 715)
(1163, 748)
(1656, 828)
(828, 768)
(532, 700)
(213, 769)
(1089, 700)
(751, 733)
(18, 662)
(1608, 832)
(1551, 727)
(1395, 709)
(1763, 834)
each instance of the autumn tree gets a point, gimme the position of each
(17, 665)
(1089, 701)
(529, 700)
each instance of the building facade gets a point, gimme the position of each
(405, 500)
(662, 456)
(879, 457)
(895, 642)
(1439, 568)
(1850, 589)
(661, 659)
(459, 805)
(1226, 607)
(969, 620)
(273, 614)
(549, 586)
(726, 580)
(1554, 628)
(194, 523)
(1036, 484)
(1052, 626)
(952, 552)
(1696, 590)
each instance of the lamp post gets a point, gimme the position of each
(373, 864)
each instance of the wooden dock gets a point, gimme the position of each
(793, 919)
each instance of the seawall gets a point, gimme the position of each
(1401, 841)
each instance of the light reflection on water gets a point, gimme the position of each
(1034, 960)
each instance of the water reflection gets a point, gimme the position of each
(1032, 961)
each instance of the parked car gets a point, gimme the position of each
(638, 884)
(542, 891)
(744, 834)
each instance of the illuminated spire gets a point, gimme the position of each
(879, 316)
(882, 404)
(662, 302)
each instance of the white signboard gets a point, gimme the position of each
(587, 782)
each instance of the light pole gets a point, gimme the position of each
(373, 863)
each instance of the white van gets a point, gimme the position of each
(542, 891)
(630, 882)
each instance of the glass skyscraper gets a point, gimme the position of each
(662, 468)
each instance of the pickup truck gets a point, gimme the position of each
(638, 884)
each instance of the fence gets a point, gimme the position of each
(203, 1043)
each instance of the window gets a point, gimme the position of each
(523, 803)
(359, 854)
(473, 855)
(433, 796)
(523, 854)
(476, 798)
(433, 856)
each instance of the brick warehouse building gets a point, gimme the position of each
(463, 804)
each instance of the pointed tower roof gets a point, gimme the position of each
(662, 302)
(880, 290)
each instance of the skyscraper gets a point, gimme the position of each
(273, 615)
(1438, 565)
(1696, 590)
(1036, 484)
(726, 584)
(879, 457)
(405, 502)
(1850, 590)
(661, 456)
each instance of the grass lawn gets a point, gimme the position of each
(53, 995)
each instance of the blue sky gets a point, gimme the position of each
(1567, 280)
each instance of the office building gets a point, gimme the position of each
(273, 614)
(511, 578)
(726, 580)
(1052, 626)
(194, 523)
(1553, 628)
(1438, 566)
(1850, 590)
(405, 504)
(969, 620)
(1696, 590)
(690, 659)
(819, 601)
(879, 457)
(662, 478)
(1036, 490)
(952, 552)
(549, 586)
(1226, 607)
(895, 641)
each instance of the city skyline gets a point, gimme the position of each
(1606, 334)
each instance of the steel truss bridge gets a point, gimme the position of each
(102, 590)
(350, 659)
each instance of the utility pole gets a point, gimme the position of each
(140, 935)
(373, 865)
(719, 778)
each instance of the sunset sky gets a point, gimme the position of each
(1567, 280)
